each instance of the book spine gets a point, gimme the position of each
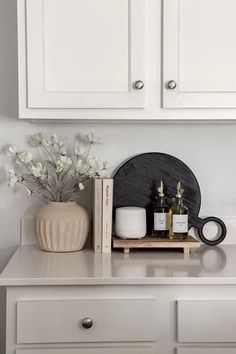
(97, 215)
(107, 215)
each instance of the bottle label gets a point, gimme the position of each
(180, 223)
(160, 221)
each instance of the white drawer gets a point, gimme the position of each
(61, 321)
(206, 350)
(123, 350)
(207, 321)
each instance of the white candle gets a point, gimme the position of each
(130, 222)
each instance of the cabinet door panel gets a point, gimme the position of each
(208, 321)
(200, 53)
(124, 350)
(61, 321)
(85, 53)
(206, 350)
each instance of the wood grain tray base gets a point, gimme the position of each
(151, 242)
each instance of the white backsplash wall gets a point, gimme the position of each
(208, 149)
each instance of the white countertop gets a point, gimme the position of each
(207, 265)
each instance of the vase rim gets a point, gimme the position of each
(62, 203)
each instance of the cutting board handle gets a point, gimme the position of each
(200, 223)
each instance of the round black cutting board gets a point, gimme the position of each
(135, 183)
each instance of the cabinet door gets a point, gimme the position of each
(97, 350)
(199, 53)
(84, 53)
(219, 350)
(62, 321)
(208, 321)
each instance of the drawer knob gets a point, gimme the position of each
(171, 85)
(87, 323)
(139, 85)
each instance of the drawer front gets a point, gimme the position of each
(123, 350)
(61, 321)
(207, 321)
(206, 350)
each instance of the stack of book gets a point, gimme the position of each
(102, 214)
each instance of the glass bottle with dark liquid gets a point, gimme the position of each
(179, 215)
(160, 214)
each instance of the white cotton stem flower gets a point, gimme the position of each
(63, 151)
(53, 141)
(13, 177)
(83, 169)
(92, 167)
(29, 192)
(95, 166)
(79, 151)
(36, 139)
(58, 176)
(12, 181)
(24, 157)
(63, 164)
(11, 172)
(93, 139)
(95, 163)
(12, 151)
(102, 174)
(81, 186)
(78, 165)
(39, 171)
(106, 165)
(48, 142)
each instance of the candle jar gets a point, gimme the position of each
(130, 222)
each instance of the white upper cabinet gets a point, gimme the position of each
(76, 54)
(199, 58)
(117, 60)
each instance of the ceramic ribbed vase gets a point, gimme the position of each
(61, 227)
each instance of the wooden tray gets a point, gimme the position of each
(151, 242)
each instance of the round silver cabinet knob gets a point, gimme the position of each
(139, 85)
(87, 323)
(171, 85)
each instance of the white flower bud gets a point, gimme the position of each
(63, 151)
(81, 186)
(36, 139)
(78, 165)
(93, 139)
(29, 192)
(106, 165)
(24, 157)
(12, 150)
(63, 164)
(39, 171)
(13, 178)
